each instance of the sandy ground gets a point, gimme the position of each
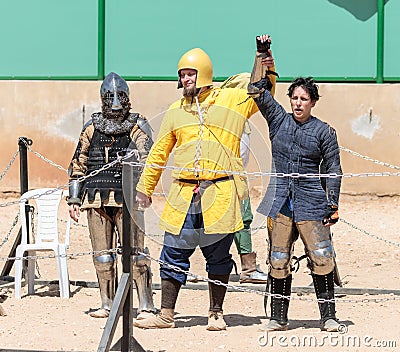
(368, 258)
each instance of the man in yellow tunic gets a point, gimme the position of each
(203, 207)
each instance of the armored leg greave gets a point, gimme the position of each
(142, 278)
(318, 244)
(280, 306)
(105, 270)
(141, 270)
(324, 289)
(102, 238)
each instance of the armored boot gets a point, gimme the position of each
(324, 289)
(107, 293)
(105, 269)
(142, 278)
(279, 306)
(217, 293)
(251, 273)
(165, 319)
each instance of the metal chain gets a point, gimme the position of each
(9, 165)
(72, 223)
(267, 174)
(197, 156)
(65, 222)
(40, 156)
(216, 282)
(159, 194)
(269, 294)
(198, 151)
(261, 227)
(72, 255)
(6, 238)
(119, 160)
(369, 234)
(369, 159)
(32, 211)
(25, 199)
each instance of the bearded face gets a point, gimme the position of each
(116, 106)
(190, 91)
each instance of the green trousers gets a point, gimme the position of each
(243, 236)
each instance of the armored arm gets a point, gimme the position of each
(142, 137)
(75, 188)
(144, 125)
(78, 165)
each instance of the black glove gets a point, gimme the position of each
(331, 215)
(262, 47)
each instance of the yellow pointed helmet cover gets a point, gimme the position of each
(198, 60)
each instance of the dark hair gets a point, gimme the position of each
(308, 84)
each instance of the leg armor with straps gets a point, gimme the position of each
(318, 246)
(102, 236)
(324, 289)
(280, 306)
(141, 270)
(282, 235)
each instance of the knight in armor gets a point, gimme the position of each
(300, 205)
(107, 135)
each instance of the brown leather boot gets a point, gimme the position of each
(165, 319)
(217, 293)
(216, 321)
(251, 273)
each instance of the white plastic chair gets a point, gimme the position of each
(46, 239)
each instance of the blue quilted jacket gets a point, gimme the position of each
(299, 148)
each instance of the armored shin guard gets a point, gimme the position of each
(324, 289)
(280, 306)
(106, 275)
(142, 278)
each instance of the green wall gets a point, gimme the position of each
(332, 40)
(48, 38)
(392, 41)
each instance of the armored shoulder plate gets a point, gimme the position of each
(144, 125)
(87, 124)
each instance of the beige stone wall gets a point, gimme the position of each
(366, 117)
